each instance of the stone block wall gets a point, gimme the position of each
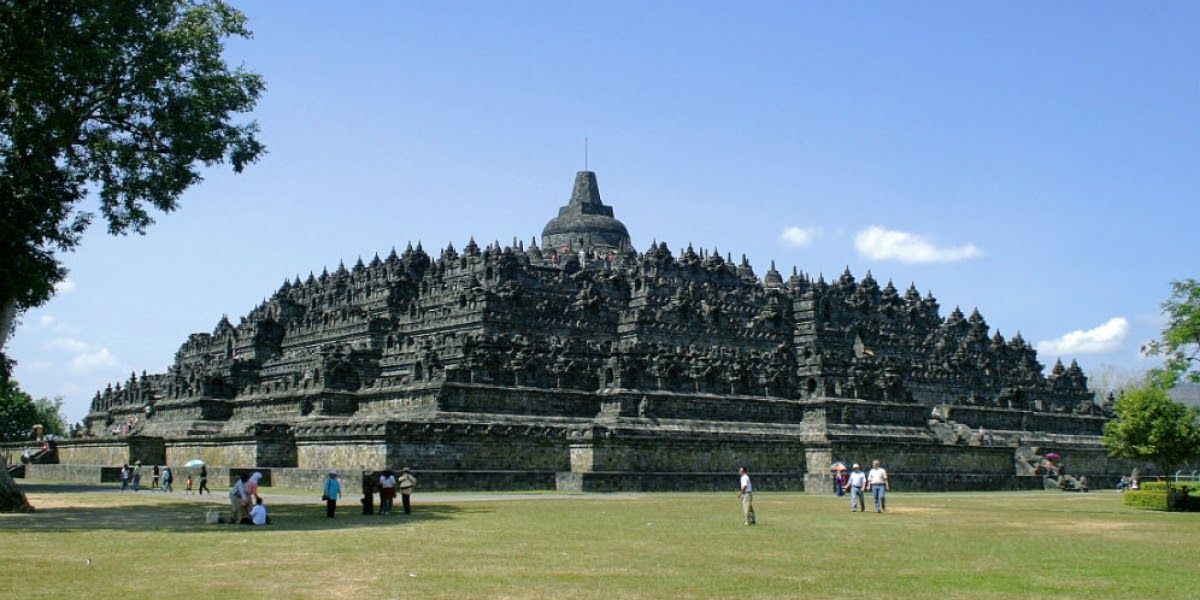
(84, 452)
(344, 454)
(240, 452)
(863, 412)
(721, 408)
(682, 454)
(764, 482)
(275, 451)
(452, 451)
(464, 398)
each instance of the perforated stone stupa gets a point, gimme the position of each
(582, 363)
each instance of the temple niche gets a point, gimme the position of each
(582, 356)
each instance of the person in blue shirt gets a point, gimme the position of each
(333, 491)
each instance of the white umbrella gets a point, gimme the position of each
(195, 462)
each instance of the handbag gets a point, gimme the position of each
(324, 497)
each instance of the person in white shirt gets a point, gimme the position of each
(258, 514)
(387, 491)
(746, 494)
(855, 485)
(877, 482)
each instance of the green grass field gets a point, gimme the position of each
(101, 544)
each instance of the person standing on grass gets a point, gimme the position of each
(387, 491)
(238, 499)
(877, 482)
(168, 479)
(333, 491)
(154, 481)
(746, 495)
(124, 477)
(137, 475)
(406, 483)
(203, 481)
(855, 485)
(252, 487)
(839, 482)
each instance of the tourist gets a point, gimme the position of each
(124, 477)
(203, 481)
(188, 491)
(387, 491)
(168, 479)
(252, 486)
(154, 481)
(333, 491)
(839, 482)
(746, 495)
(238, 499)
(137, 475)
(877, 482)
(406, 483)
(855, 485)
(258, 514)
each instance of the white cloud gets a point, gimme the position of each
(1105, 338)
(64, 286)
(97, 360)
(797, 237)
(46, 320)
(878, 243)
(68, 344)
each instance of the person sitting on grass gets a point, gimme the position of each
(258, 514)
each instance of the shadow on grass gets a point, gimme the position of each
(142, 512)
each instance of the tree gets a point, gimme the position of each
(18, 414)
(127, 99)
(1180, 343)
(50, 417)
(1149, 426)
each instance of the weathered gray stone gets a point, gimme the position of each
(585, 356)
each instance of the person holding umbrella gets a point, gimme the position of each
(203, 481)
(839, 479)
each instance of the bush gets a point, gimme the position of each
(1144, 498)
(1153, 494)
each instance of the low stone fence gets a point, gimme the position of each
(221, 478)
(675, 482)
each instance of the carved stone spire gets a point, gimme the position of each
(585, 222)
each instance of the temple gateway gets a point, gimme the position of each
(580, 363)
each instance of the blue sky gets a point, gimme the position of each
(1035, 160)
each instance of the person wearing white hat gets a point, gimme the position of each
(854, 485)
(333, 491)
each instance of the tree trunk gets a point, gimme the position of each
(12, 498)
(8, 318)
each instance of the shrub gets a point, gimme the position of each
(1153, 495)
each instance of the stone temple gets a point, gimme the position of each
(578, 362)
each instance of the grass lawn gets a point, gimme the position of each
(102, 544)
